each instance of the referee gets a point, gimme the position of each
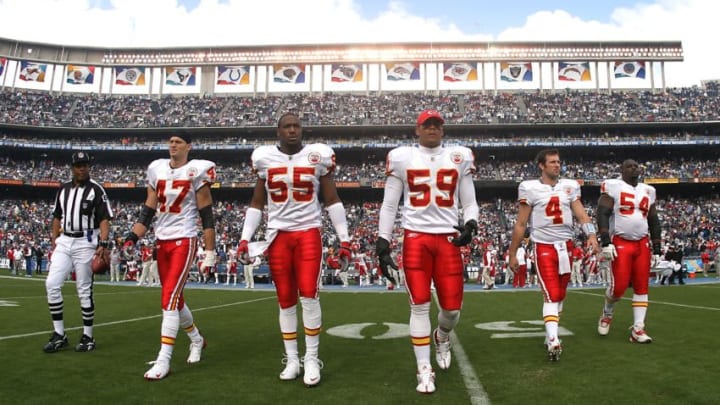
(80, 227)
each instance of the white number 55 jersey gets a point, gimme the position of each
(177, 211)
(292, 183)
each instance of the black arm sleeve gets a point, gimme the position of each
(654, 228)
(146, 216)
(603, 220)
(207, 217)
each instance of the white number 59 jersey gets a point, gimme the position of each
(177, 211)
(431, 178)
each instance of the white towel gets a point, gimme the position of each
(563, 257)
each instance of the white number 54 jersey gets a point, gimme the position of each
(177, 211)
(551, 219)
(292, 183)
(431, 178)
(631, 207)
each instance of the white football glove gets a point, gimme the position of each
(609, 252)
(210, 259)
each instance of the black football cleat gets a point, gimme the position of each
(56, 343)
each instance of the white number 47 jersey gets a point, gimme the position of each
(177, 211)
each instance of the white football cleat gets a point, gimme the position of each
(426, 380)
(158, 371)
(292, 368)
(443, 356)
(196, 349)
(638, 335)
(312, 366)
(554, 349)
(604, 324)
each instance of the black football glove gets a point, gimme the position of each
(382, 250)
(467, 232)
(657, 248)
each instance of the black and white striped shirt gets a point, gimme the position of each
(81, 207)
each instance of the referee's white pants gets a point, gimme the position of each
(71, 253)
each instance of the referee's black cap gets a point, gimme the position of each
(80, 157)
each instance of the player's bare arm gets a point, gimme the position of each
(151, 202)
(524, 211)
(586, 224)
(204, 199)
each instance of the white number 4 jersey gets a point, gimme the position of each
(177, 211)
(629, 219)
(551, 219)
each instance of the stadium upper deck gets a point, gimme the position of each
(338, 67)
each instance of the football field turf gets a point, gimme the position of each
(498, 356)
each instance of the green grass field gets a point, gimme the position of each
(242, 360)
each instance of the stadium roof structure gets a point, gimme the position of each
(424, 52)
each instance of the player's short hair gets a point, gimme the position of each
(541, 157)
(287, 114)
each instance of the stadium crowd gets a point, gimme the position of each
(24, 107)
(687, 223)
(48, 170)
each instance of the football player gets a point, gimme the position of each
(550, 203)
(178, 192)
(626, 214)
(295, 181)
(435, 181)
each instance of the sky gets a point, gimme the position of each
(175, 23)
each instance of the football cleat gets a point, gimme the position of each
(56, 343)
(312, 366)
(196, 349)
(158, 371)
(554, 349)
(87, 344)
(604, 324)
(443, 356)
(426, 380)
(638, 335)
(292, 368)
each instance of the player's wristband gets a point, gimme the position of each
(104, 243)
(588, 228)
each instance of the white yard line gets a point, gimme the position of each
(143, 318)
(672, 304)
(475, 389)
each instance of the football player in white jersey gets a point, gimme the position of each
(179, 192)
(295, 181)
(550, 203)
(625, 215)
(435, 181)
